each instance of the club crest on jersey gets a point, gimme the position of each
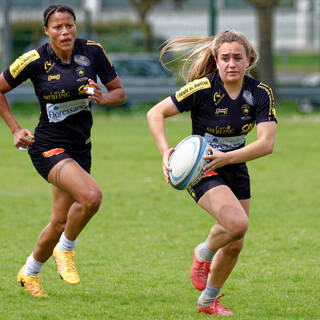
(52, 152)
(245, 108)
(82, 60)
(217, 97)
(80, 71)
(221, 112)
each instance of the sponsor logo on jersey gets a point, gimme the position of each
(60, 111)
(54, 77)
(82, 79)
(221, 130)
(247, 127)
(80, 71)
(192, 87)
(82, 60)
(247, 95)
(217, 97)
(52, 152)
(220, 112)
(48, 65)
(57, 95)
(20, 63)
(225, 143)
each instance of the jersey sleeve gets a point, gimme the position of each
(187, 97)
(21, 69)
(266, 108)
(104, 67)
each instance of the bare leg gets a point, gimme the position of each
(226, 258)
(76, 198)
(232, 220)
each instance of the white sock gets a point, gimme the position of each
(204, 253)
(208, 295)
(66, 244)
(33, 267)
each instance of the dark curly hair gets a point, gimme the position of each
(56, 8)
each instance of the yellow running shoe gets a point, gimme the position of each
(66, 267)
(31, 283)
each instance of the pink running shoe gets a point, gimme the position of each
(199, 272)
(216, 308)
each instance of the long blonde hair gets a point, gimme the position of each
(202, 51)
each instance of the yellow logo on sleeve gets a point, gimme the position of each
(20, 63)
(192, 87)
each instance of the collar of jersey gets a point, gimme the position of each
(54, 56)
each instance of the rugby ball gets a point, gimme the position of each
(186, 162)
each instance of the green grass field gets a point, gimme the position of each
(134, 256)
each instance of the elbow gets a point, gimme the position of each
(149, 115)
(122, 98)
(269, 148)
(152, 114)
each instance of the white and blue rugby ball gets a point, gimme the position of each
(186, 162)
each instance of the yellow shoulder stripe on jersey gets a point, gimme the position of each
(20, 63)
(90, 43)
(192, 87)
(272, 110)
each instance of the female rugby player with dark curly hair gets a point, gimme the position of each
(64, 75)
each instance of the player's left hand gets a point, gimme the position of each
(217, 159)
(97, 94)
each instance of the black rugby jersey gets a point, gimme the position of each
(225, 122)
(65, 118)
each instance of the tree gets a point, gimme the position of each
(265, 10)
(142, 8)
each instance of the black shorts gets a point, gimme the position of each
(44, 158)
(235, 176)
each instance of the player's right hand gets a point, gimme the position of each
(23, 138)
(165, 163)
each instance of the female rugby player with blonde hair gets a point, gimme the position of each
(225, 104)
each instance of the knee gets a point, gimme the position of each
(58, 225)
(239, 228)
(93, 201)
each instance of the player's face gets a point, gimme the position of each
(232, 62)
(62, 32)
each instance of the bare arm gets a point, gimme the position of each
(21, 136)
(156, 120)
(266, 134)
(114, 97)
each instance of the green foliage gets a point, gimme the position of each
(124, 36)
(25, 35)
(134, 256)
(120, 36)
(295, 62)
